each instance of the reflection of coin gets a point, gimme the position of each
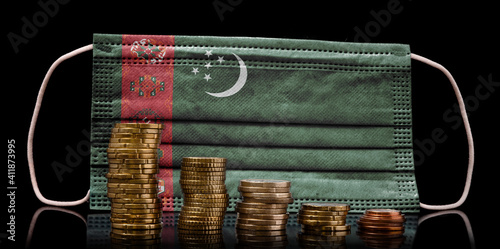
(260, 232)
(135, 226)
(260, 227)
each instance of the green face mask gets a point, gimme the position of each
(334, 118)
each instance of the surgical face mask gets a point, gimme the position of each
(334, 118)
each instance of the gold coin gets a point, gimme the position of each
(133, 190)
(240, 204)
(136, 181)
(205, 214)
(135, 226)
(263, 216)
(132, 156)
(268, 200)
(136, 216)
(380, 219)
(140, 232)
(204, 159)
(201, 218)
(134, 171)
(325, 206)
(203, 173)
(321, 222)
(322, 213)
(383, 212)
(130, 176)
(201, 182)
(134, 161)
(136, 221)
(266, 195)
(131, 150)
(133, 145)
(128, 196)
(133, 166)
(202, 169)
(132, 185)
(206, 205)
(135, 135)
(203, 191)
(134, 140)
(260, 232)
(137, 201)
(135, 211)
(203, 209)
(265, 183)
(261, 211)
(203, 177)
(318, 217)
(207, 196)
(261, 221)
(135, 205)
(187, 222)
(140, 125)
(327, 228)
(262, 190)
(203, 165)
(206, 201)
(260, 227)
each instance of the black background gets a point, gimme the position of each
(460, 35)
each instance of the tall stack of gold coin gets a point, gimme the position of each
(382, 228)
(262, 215)
(133, 184)
(323, 221)
(203, 184)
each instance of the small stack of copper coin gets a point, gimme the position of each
(323, 222)
(205, 200)
(262, 215)
(382, 228)
(133, 185)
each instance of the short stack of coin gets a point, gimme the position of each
(382, 228)
(203, 184)
(262, 214)
(323, 221)
(133, 184)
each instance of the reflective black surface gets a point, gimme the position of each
(60, 227)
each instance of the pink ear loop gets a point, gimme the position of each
(468, 132)
(31, 133)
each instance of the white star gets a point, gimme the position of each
(195, 70)
(208, 65)
(221, 59)
(207, 77)
(208, 53)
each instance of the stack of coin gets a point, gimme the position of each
(262, 215)
(203, 184)
(324, 218)
(382, 228)
(133, 184)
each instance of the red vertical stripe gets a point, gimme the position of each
(147, 86)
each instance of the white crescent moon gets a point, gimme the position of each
(239, 83)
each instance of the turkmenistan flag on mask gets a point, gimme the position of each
(335, 118)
